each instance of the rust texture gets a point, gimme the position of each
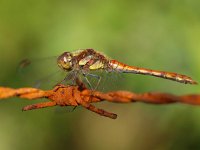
(73, 96)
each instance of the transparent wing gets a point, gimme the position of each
(43, 73)
(102, 80)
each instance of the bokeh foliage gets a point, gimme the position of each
(157, 34)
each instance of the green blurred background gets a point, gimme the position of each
(156, 34)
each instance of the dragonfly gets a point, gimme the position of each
(85, 60)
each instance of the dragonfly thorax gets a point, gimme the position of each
(64, 61)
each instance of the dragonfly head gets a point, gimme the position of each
(64, 61)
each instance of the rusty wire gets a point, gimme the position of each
(73, 96)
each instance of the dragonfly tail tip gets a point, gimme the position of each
(194, 82)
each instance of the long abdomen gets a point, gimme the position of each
(118, 66)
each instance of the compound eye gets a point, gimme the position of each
(67, 59)
(64, 61)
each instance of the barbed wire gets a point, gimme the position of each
(74, 96)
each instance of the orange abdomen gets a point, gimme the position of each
(118, 66)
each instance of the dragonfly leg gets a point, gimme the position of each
(80, 84)
(74, 108)
(92, 75)
(88, 82)
(97, 77)
(70, 76)
(39, 105)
